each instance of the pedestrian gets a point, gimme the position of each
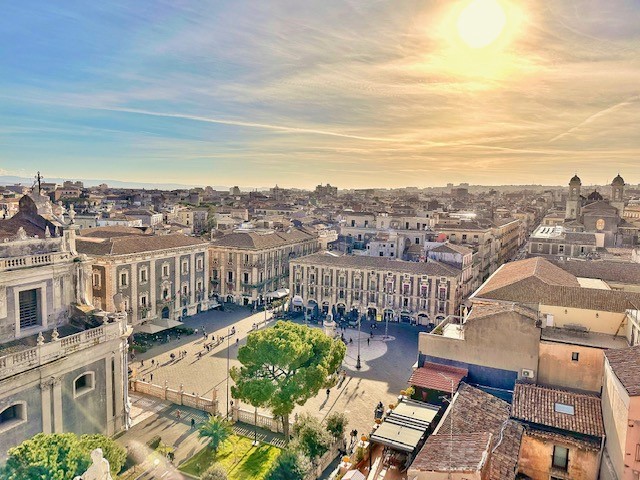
(153, 362)
(196, 331)
(213, 338)
(142, 363)
(368, 340)
(144, 379)
(178, 414)
(328, 392)
(350, 340)
(237, 341)
(152, 377)
(193, 423)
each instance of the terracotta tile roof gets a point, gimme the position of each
(483, 310)
(114, 231)
(257, 241)
(136, 244)
(366, 262)
(452, 248)
(538, 405)
(625, 363)
(475, 411)
(466, 452)
(607, 270)
(538, 281)
(432, 376)
(532, 268)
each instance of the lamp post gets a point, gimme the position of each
(450, 401)
(358, 364)
(228, 367)
(255, 427)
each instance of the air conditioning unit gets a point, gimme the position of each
(526, 373)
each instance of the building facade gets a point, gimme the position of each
(246, 266)
(378, 287)
(158, 277)
(63, 363)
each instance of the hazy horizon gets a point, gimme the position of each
(355, 93)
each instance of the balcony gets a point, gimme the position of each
(47, 352)
(15, 263)
(450, 327)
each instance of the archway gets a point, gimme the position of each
(405, 316)
(341, 308)
(372, 313)
(198, 308)
(229, 298)
(312, 309)
(165, 312)
(184, 312)
(325, 308)
(423, 319)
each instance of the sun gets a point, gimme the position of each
(481, 23)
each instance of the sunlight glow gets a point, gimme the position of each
(481, 23)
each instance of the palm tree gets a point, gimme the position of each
(216, 431)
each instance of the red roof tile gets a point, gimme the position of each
(437, 377)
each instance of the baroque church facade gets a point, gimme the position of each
(602, 217)
(63, 362)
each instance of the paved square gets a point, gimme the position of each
(386, 364)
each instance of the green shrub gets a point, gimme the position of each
(154, 442)
(337, 424)
(310, 437)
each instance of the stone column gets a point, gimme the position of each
(177, 288)
(119, 386)
(57, 405)
(108, 394)
(192, 278)
(45, 387)
(133, 304)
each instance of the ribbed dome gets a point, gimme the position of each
(618, 180)
(594, 196)
(575, 179)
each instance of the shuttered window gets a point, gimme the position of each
(29, 311)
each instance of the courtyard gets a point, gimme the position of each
(386, 364)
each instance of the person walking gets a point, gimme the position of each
(368, 341)
(178, 413)
(152, 377)
(193, 422)
(328, 392)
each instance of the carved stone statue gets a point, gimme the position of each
(21, 234)
(98, 470)
(83, 274)
(72, 214)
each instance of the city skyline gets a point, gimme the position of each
(357, 94)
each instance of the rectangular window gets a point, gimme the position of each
(560, 457)
(29, 311)
(185, 267)
(143, 275)
(381, 254)
(246, 278)
(230, 276)
(165, 270)
(124, 279)
(575, 356)
(199, 263)
(96, 280)
(143, 300)
(638, 452)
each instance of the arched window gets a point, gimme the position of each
(13, 415)
(84, 383)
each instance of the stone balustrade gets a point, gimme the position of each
(21, 361)
(177, 397)
(28, 261)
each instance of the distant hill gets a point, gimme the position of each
(12, 180)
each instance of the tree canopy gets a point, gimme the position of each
(216, 431)
(285, 365)
(290, 465)
(59, 456)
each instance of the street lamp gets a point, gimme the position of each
(255, 427)
(450, 401)
(358, 364)
(228, 367)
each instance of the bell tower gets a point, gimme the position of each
(617, 194)
(573, 201)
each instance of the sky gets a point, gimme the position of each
(358, 93)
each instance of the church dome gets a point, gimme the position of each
(618, 180)
(595, 196)
(574, 180)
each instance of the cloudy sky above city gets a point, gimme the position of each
(358, 93)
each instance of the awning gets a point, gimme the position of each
(156, 326)
(354, 475)
(297, 301)
(405, 427)
(435, 376)
(280, 293)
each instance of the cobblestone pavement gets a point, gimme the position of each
(386, 364)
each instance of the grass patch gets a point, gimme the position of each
(238, 457)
